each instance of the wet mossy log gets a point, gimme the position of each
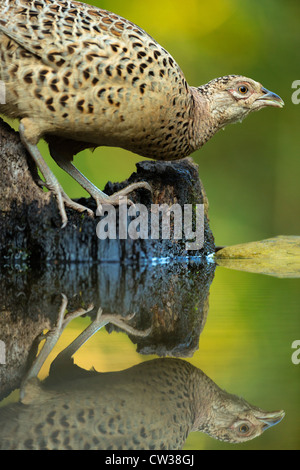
(30, 224)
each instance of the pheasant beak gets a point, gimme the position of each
(270, 99)
(271, 419)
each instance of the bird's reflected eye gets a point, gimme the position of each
(244, 428)
(243, 90)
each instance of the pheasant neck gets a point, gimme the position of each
(204, 124)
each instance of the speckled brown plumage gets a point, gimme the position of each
(88, 67)
(152, 406)
(83, 77)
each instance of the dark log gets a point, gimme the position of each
(30, 224)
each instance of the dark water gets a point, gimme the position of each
(238, 328)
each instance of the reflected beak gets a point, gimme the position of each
(271, 419)
(270, 99)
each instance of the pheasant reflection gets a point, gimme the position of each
(153, 405)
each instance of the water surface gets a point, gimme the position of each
(237, 327)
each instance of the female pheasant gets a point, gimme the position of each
(81, 77)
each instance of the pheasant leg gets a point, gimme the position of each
(51, 339)
(99, 196)
(100, 321)
(64, 357)
(51, 182)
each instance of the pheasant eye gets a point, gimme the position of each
(243, 89)
(244, 428)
